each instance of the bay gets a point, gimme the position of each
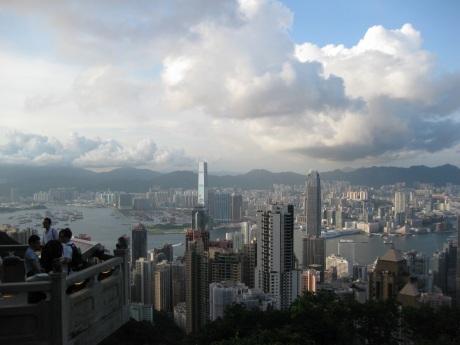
(105, 225)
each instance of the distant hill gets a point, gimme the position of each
(378, 176)
(26, 179)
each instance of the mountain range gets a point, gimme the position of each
(28, 179)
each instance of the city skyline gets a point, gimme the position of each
(240, 84)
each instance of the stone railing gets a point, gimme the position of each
(83, 308)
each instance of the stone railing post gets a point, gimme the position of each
(59, 318)
(124, 253)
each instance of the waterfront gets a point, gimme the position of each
(105, 225)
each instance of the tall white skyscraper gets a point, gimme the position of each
(203, 184)
(400, 202)
(313, 204)
(275, 272)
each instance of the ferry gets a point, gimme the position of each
(337, 233)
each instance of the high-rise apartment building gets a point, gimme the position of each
(225, 267)
(203, 184)
(139, 242)
(275, 272)
(313, 204)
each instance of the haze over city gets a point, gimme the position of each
(281, 85)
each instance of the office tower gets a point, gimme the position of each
(225, 267)
(400, 202)
(310, 252)
(139, 242)
(275, 254)
(220, 207)
(199, 219)
(143, 289)
(178, 283)
(313, 204)
(203, 184)
(237, 207)
(389, 276)
(314, 249)
(197, 285)
(163, 288)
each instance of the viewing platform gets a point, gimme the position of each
(82, 308)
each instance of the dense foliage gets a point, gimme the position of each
(322, 319)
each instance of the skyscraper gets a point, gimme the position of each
(196, 286)
(275, 272)
(400, 202)
(143, 289)
(163, 287)
(313, 204)
(237, 207)
(203, 184)
(178, 283)
(139, 242)
(220, 206)
(199, 219)
(313, 247)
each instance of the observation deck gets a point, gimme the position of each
(82, 308)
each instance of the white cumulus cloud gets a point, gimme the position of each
(33, 149)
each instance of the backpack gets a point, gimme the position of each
(77, 258)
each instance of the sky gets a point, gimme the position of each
(244, 84)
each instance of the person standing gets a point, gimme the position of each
(50, 233)
(31, 260)
(67, 251)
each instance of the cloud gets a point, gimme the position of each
(32, 149)
(126, 65)
(379, 97)
(249, 70)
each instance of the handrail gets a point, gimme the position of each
(92, 271)
(5, 248)
(25, 286)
